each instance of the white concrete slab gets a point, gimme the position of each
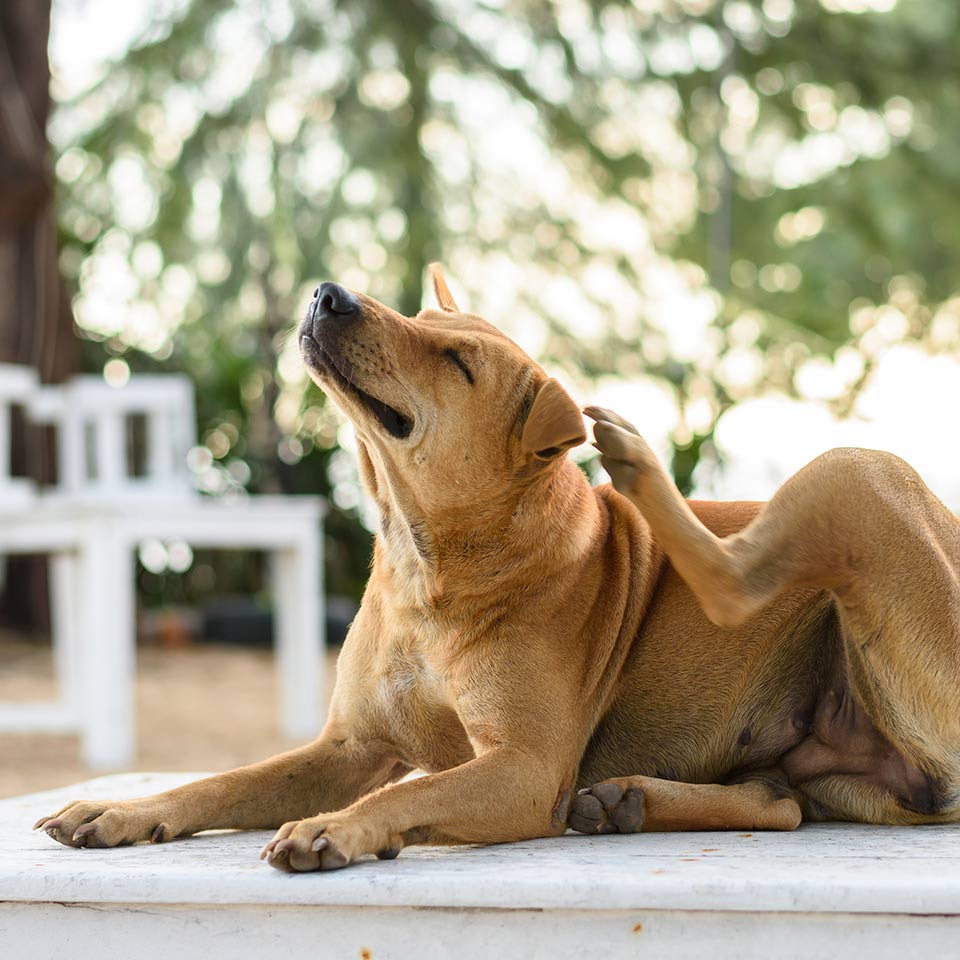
(880, 887)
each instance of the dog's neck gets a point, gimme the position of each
(447, 565)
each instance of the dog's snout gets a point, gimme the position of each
(334, 302)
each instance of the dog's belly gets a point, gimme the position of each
(702, 704)
(841, 741)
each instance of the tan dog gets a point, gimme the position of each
(688, 666)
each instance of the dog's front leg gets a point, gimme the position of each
(333, 771)
(504, 794)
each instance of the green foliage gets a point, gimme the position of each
(790, 168)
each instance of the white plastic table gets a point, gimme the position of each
(93, 548)
(825, 890)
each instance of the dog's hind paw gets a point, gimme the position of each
(607, 807)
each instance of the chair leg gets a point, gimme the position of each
(299, 636)
(65, 605)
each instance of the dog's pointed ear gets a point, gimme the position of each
(553, 425)
(441, 290)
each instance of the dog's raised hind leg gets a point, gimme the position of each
(711, 568)
(863, 525)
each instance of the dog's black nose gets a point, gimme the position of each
(334, 302)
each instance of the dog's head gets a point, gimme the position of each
(445, 406)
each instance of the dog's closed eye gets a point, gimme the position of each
(455, 358)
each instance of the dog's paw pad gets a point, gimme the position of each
(607, 808)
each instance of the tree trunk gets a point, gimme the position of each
(36, 326)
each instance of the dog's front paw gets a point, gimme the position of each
(325, 843)
(88, 823)
(611, 806)
(625, 455)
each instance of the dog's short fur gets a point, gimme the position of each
(609, 659)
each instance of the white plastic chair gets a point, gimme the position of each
(26, 528)
(99, 512)
(18, 385)
(92, 419)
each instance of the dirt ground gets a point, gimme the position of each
(199, 708)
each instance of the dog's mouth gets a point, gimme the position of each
(397, 424)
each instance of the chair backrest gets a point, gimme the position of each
(18, 386)
(127, 441)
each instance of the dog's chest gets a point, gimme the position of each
(411, 681)
(418, 709)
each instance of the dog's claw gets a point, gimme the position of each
(268, 850)
(83, 831)
(86, 836)
(602, 415)
(281, 847)
(321, 843)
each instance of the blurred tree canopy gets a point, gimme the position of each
(723, 196)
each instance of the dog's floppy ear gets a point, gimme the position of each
(553, 425)
(441, 290)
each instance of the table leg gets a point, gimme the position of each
(107, 662)
(299, 633)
